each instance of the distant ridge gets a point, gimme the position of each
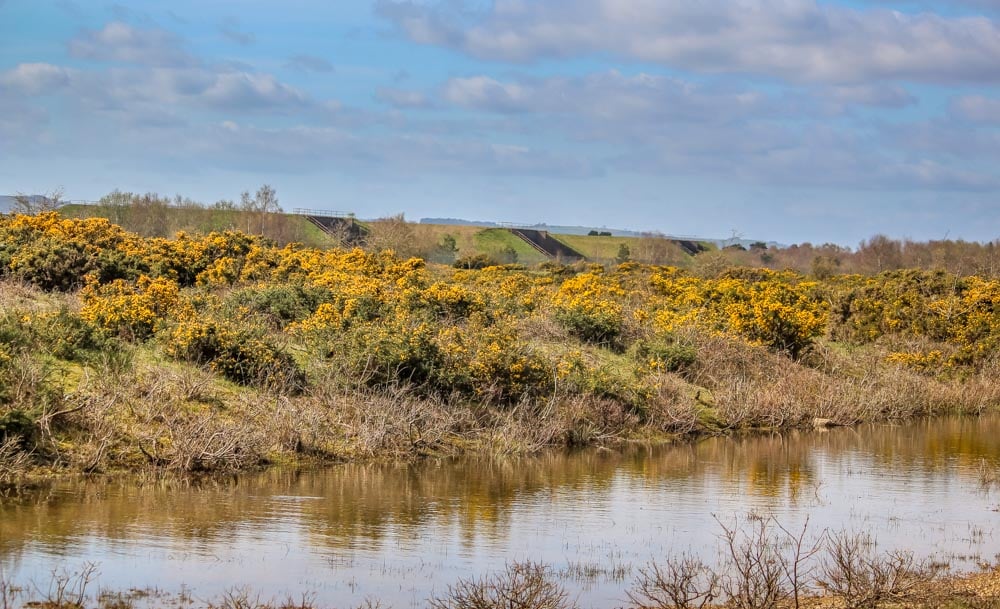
(552, 228)
(583, 230)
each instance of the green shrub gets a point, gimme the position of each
(280, 304)
(52, 264)
(65, 335)
(664, 355)
(16, 424)
(390, 353)
(241, 354)
(475, 262)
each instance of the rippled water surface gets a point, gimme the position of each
(403, 532)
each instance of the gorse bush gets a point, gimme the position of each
(67, 336)
(777, 310)
(475, 262)
(628, 337)
(589, 306)
(664, 354)
(238, 353)
(960, 317)
(134, 311)
(279, 303)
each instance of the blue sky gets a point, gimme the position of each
(787, 120)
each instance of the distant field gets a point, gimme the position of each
(597, 249)
(653, 250)
(492, 241)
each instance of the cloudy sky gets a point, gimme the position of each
(791, 120)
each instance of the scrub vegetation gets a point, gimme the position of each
(225, 351)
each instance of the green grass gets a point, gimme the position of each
(597, 249)
(493, 240)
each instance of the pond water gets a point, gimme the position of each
(401, 533)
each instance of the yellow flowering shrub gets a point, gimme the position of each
(962, 313)
(589, 306)
(64, 335)
(442, 299)
(239, 353)
(134, 311)
(491, 362)
(770, 309)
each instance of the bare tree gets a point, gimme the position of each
(797, 564)
(264, 202)
(30, 205)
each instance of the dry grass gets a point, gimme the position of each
(752, 387)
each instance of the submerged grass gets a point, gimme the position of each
(762, 565)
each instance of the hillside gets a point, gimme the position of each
(422, 239)
(165, 221)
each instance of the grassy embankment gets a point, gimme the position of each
(154, 217)
(222, 352)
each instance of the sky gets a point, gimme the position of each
(786, 120)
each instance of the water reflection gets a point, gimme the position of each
(397, 531)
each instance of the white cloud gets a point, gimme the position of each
(310, 63)
(400, 98)
(877, 95)
(250, 90)
(642, 100)
(36, 78)
(978, 108)
(487, 93)
(797, 40)
(121, 42)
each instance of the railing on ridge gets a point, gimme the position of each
(323, 213)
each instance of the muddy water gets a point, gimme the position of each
(403, 532)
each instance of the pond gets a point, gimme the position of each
(400, 533)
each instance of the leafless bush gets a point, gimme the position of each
(8, 592)
(202, 440)
(855, 571)
(684, 582)
(305, 601)
(238, 598)
(797, 559)
(391, 423)
(68, 590)
(526, 427)
(754, 570)
(672, 409)
(522, 585)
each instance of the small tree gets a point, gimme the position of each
(508, 254)
(30, 205)
(624, 254)
(264, 202)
